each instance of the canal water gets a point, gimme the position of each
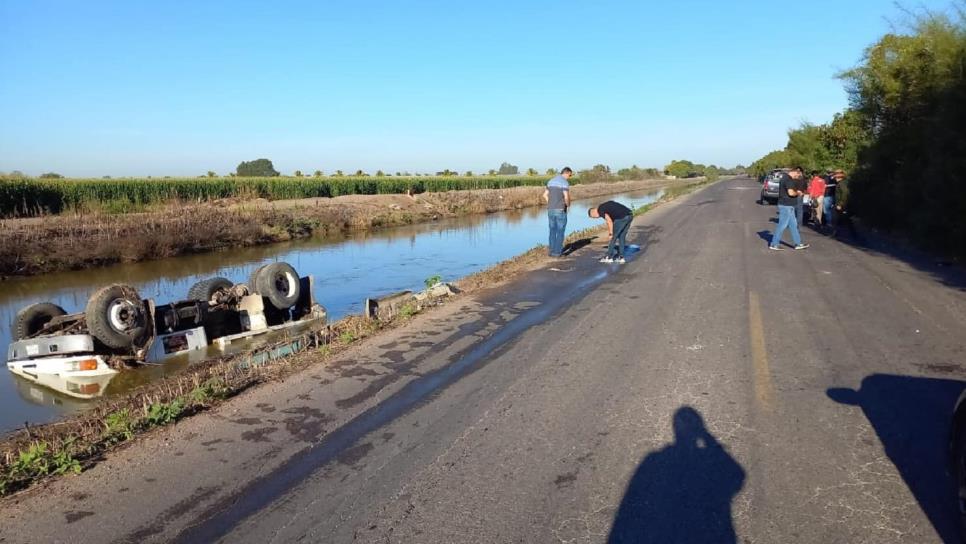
(347, 270)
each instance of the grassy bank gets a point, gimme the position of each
(75, 241)
(36, 453)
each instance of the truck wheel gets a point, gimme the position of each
(253, 277)
(279, 283)
(204, 290)
(116, 316)
(31, 320)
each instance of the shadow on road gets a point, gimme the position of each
(946, 271)
(577, 244)
(912, 417)
(683, 492)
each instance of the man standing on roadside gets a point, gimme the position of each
(816, 190)
(618, 217)
(557, 197)
(790, 188)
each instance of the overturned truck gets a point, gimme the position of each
(118, 328)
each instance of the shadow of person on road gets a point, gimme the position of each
(683, 492)
(577, 244)
(912, 417)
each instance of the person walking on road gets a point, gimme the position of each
(557, 197)
(618, 217)
(790, 188)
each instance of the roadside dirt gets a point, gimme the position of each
(69, 242)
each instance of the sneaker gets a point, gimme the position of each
(776, 248)
(606, 260)
(620, 260)
(801, 246)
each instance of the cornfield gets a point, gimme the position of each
(33, 197)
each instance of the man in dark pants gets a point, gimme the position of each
(557, 197)
(618, 217)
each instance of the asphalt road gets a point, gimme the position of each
(709, 390)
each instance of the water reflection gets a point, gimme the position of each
(347, 268)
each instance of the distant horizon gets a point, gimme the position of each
(120, 89)
(388, 173)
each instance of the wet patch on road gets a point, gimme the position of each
(247, 421)
(355, 454)
(180, 509)
(265, 407)
(307, 423)
(566, 479)
(258, 435)
(76, 515)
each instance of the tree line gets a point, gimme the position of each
(902, 139)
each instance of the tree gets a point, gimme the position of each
(551, 172)
(532, 171)
(380, 173)
(257, 168)
(360, 173)
(447, 172)
(600, 172)
(51, 175)
(338, 173)
(317, 174)
(507, 169)
(491, 172)
(680, 169)
(469, 173)
(211, 174)
(298, 173)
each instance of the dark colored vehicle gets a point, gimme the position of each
(957, 458)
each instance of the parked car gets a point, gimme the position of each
(769, 186)
(957, 458)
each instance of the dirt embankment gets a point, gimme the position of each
(66, 242)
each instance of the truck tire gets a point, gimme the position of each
(279, 284)
(205, 289)
(252, 277)
(116, 316)
(31, 320)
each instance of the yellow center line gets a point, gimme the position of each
(764, 390)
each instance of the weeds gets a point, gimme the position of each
(433, 280)
(408, 310)
(119, 426)
(163, 413)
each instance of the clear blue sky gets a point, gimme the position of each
(181, 87)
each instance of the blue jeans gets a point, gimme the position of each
(800, 211)
(828, 203)
(786, 219)
(558, 227)
(621, 226)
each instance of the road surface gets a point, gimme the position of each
(709, 390)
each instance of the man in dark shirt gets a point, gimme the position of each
(790, 188)
(618, 217)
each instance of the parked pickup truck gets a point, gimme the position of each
(118, 328)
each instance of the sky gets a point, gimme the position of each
(130, 88)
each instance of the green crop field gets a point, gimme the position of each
(34, 197)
